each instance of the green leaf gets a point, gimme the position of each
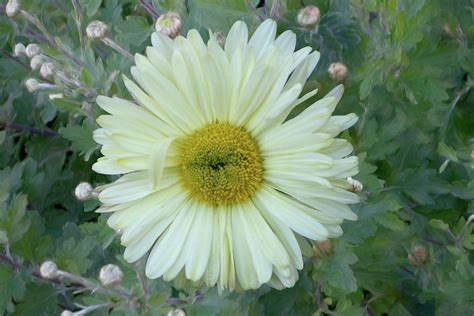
(81, 138)
(91, 6)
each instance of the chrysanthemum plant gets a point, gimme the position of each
(204, 167)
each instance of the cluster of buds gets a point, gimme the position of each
(169, 24)
(110, 276)
(338, 71)
(309, 16)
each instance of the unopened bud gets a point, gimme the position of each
(96, 30)
(220, 38)
(32, 84)
(169, 24)
(49, 270)
(110, 275)
(32, 50)
(337, 71)
(19, 50)
(47, 70)
(37, 61)
(176, 312)
(472, 154)
(12, 8)
(325, 245)
(355, 186)
(83, 191)
(67, 313)
(309, 16)
(54, 96)
(321, 248)
(417, 255)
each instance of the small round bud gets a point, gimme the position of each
(325, 245)
(47, 70)
(67, 313)
(12, 8)
(220, 38)
(19, 50)
(49, 270)
(32, 50)
(37, 61)
(176, 312)
(355, 186)
(169, 24)
(309, 16)
(96, 30)
(83, 191)
(110, 275)
(337, 71)
(32, 85)
(54, 96)
(417, 255)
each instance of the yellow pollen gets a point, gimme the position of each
(220, 164)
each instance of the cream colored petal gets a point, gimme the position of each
(286, 42)
(263, 37)
(157, 161)
(244, 268)
(199, 242)
(272, 203)
(237, 36)
(126, 110)
(168, 247)
(163, 44)
(213, 267)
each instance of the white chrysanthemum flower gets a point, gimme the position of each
(216, 183)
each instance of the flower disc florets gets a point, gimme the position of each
(220, 164)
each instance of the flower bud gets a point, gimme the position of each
(47, 70)
(32, 85)
(19, 50)
(54, 96)
(176, 312)
(12, 8)
(37, 61)
(325, 245)
(169, 24)
(32, 50)
(96, 30)
(83, 191)
(337, 71)
(67, 313)
(321, 248)
(49, 270)
(355, 186)
(417, 255)
(110, 275)
(309, 16)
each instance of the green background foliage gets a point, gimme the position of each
(410, 65)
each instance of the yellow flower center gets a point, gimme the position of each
(220, 164)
